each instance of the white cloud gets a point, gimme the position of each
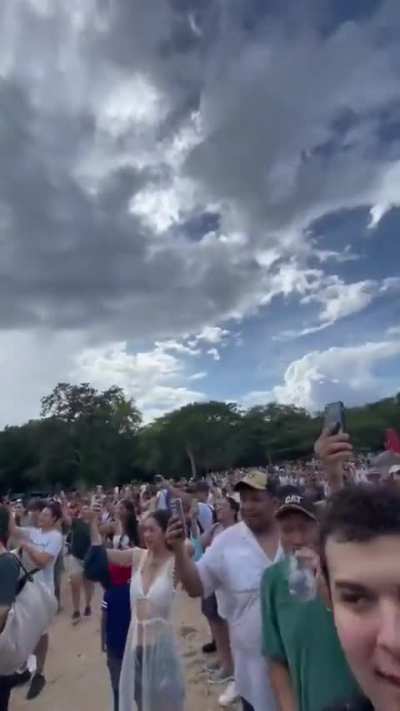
(198, 376)
(155, 379)
(177, 347)
(387, 194)
(337, 299)
(340, 300)
(339, 373)
(212, 334)
(214, 353)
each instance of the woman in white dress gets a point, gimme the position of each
(152, 675)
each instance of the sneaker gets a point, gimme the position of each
(221, 676)
(76, 617)
(229, 696)
(37, 685)
(209, 648)
(19, 678)
(88, 611)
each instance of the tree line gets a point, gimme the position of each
(86, 436)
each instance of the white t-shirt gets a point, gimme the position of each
(51, 542)
(233, 567)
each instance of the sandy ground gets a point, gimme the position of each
(77, 678)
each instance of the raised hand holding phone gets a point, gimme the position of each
(333, 446)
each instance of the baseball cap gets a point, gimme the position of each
(255, 479)
(395, 469)
(296, 502)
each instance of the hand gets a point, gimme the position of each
(94, 513)
(175, 536)
(333, 449)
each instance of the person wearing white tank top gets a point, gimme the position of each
(152, 673)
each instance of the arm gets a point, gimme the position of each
(186, 571)
(272, 643)
(123, 558)
(38, 557)
(282, 685)
(334, 450)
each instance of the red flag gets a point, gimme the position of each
(392, 441)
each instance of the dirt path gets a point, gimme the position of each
(77, 678)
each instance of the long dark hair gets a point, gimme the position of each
(129, 522)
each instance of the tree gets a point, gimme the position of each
(96, 437)
(72, 403)
(205, 433)
(101, 429)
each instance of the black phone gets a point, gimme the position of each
(335, 419)
(178, 512)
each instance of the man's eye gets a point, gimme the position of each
(356, 600)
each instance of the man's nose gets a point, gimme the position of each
(388, 637)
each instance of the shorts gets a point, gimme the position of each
(74, 566)
(209, 608)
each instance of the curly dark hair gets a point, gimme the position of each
(359, 514)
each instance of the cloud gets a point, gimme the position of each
(214, 353)
(388, 194)
(126, 124)
(338, 373)
(211, 334)
(339, 300)
(30, 366)
(155, 379)
(195, 112)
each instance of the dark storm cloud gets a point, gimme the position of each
(72, 251)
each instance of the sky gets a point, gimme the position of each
(199, 199)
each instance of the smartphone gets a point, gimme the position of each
(334, 419)
(178, 512)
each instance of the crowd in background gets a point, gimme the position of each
(246, 543)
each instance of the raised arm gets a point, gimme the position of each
(185, 569)
(123, 558)
(334, 451)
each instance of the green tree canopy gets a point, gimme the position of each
(97, 437)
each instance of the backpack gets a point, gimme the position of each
(28, 619)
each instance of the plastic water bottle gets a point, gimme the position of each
(302, 581)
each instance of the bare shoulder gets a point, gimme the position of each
(137, 555)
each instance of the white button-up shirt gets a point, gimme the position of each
(233, 566)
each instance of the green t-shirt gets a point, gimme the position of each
(302, 635)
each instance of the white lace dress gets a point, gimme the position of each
(152, 674)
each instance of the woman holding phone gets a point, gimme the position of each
(151, 674)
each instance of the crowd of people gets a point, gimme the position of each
(295, 567)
